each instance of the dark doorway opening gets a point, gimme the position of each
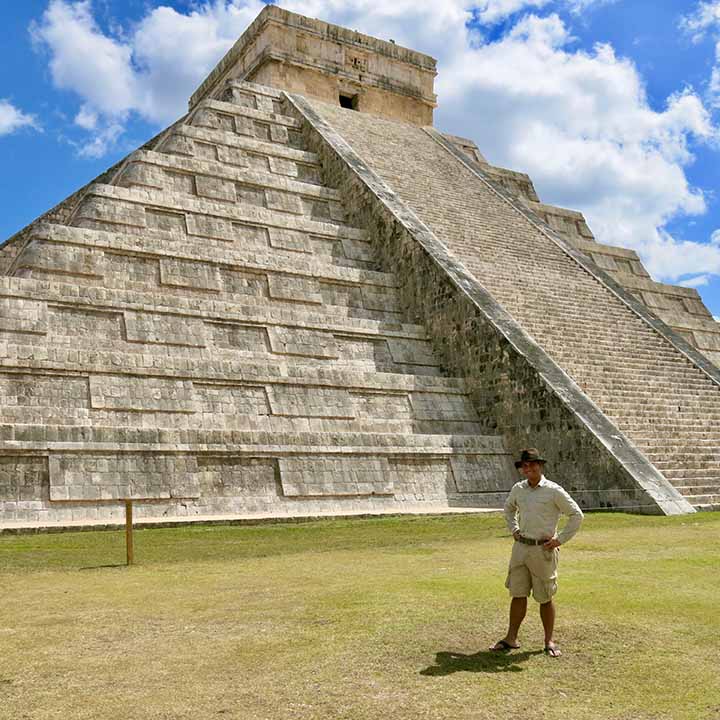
(349, 101)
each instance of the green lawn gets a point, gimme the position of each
(386, 618)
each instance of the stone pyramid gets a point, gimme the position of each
(302, 299)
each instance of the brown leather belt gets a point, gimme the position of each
(530, 541)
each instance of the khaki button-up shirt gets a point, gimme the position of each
(535, 512)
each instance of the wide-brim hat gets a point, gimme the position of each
(529, 455)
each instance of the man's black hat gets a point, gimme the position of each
(529, 455)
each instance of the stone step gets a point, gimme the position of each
(258, 190)
(276, 116)
(698, 411)
(669, 399)
(98, 437)
(628, 369)
(158, 276)
(689, 458)
(611, 315)
(185, 144)
(603, 316)
(651, 354)
(248, 146)
(27, 299)
(647, 436)
(705, 502)
(649, 424)
(640, 393)
(679, 419)
(240, 422)
(91, 263)
(284, 371)
(682, 476)
(635, 345)
(220, 183)
(128, 209)
(248, 125)
(586, 374)
(244, 245)
(657, 448)
(290, 405)
(661, 408)
(154, 169)
(706, 507)
(651, 437)
(253, 95)
(699, 486)
(155, 336)
(605, 327)
(640, 358)
(630, 362)
(691, 385)
(144, 334)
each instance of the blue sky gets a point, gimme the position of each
(612, 107)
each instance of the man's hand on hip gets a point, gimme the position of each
(551, 544)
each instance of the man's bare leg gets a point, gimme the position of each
(518, 609)
(547, 615)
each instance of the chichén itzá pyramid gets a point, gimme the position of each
(302, 298)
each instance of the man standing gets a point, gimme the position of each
(532, 511)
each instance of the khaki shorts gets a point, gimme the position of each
(533, 568)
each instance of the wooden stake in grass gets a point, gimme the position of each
(129, 531)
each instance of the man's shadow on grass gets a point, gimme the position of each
(447, 663)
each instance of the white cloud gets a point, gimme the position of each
(491, 11)
(580, 6)
(706, 20)
(149, 69)
(87, 118)
(174, 52)
(696, 281)
(577, 120)
(84, 60)
(12, 119)
(101, 141)
(705, 17)
(580, 124)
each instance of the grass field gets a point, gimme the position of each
(386, 618)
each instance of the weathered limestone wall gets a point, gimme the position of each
(516, 388)
(207, 335)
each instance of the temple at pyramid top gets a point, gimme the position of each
(334, 64)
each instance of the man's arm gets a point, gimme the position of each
(511, 511)
(569, 507)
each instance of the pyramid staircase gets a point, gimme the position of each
(204, 332)
(660, 396)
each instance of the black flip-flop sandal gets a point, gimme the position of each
(503, 646)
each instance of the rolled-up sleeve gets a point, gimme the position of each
(511, 512)
(567, 506)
